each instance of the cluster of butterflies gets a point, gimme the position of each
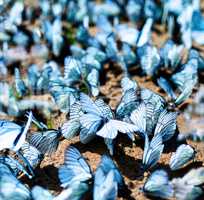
(86, 36)
(90, 52)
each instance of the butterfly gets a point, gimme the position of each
(13, 135)
(145, 33)
(188, 186)
(11, 187)
(158, 185)
(75, 192)
(107, 164)
(14, 165)
(149, 58)
(165, 85)
(165, 124)
(98, 119)
(72, 127)
(19, 84)
(152, 151)
(75, 168)
(107, 179)
(33, 156)
(171, 54)
(184, 153)
(105, 187)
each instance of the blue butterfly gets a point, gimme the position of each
(19, 84)
(75, 168)
(105, 187)
(13, 135)
(190, 183)
(11, 187)
(107, 179)
(33, 156)
(165, 85)
(158, 185)
(184, 153)
(145, 33)
(149, 58)
(39, 193)
(14, 165)
(98, 119)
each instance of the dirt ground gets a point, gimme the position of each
(127, 155)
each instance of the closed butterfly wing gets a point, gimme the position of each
(75, 168)
(70, 129)
(145, 33)
(107, 165)
(127, 84)
(15, 166)
(166, 125)
(152, 151)
(104, 108)
(76, 191)
(33, 156)
(185, 93)
(138, 117)
(93, 81)
(72, 71)
(128, 103)
(194, 177)
(46, 141)
(19, 84)
(39, 193)
(158, 185)
(105, 188)
(111, 47)
(149, 59)
(185, 191)
(165, 85)
(184, 153)
(11, 187)
(154, 106)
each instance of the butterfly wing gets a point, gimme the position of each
(104, 186)
(138, 117)
(75, 168)
(46, 141)
(158, 185)
(88, 105)
(11, 187)
(111, 128)
(107, 165)
(127, 104)
(31, 153)
(39, 193)
(166, 125)
(74, 192)
(183, 155)
(152, 152)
